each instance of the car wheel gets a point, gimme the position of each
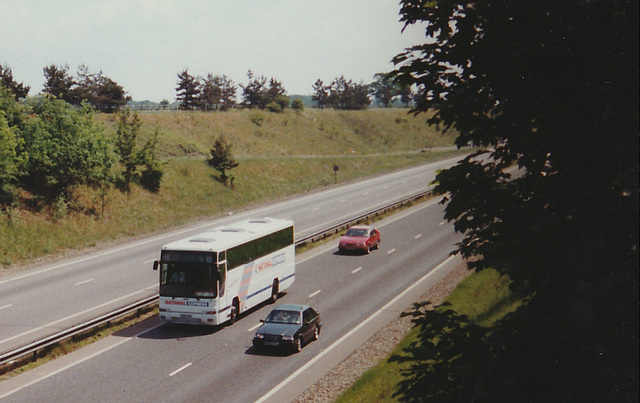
(316, 333)
(298, 346)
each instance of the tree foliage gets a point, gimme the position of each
(19, 90)
(550, 87)
(9, 163)
(137, 163)
(386, 90)
(341, 94)
(222, 160)
(218, 93)
(98, 90)
(188, 91)
(59, 83)
(383, 89)
(297, 105)
(63, 148)
(262, 93)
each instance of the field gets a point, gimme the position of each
(280, 155)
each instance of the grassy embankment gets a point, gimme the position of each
(279, 154)
(483, 297)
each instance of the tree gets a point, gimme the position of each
(151, 175)
(320, 94)
(19, 90)
(276, 93)
(405, 94)
(258, 94)
(138, 163)
(14, 111)
(221, 159)
(341, 94)
(63, 147)
(110, 96)
(550, 87)
(297, 105)
(218, 93)
(125, 145)
(9, 163)
(188, 91)
(59, 83)
(348, 95)
(254, 94)
(100, 91)
(383, 89)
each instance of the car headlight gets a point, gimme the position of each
(287, 338)
(259, 336)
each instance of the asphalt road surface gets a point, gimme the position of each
(355, 294)
(56, 296)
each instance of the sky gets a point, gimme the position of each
(143, 44)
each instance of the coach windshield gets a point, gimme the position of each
(188, 274)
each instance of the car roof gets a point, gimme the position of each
(291, 307)
(361, 227)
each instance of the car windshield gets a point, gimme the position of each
(282, 316)
(357, 232)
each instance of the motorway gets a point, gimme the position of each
(47, 299)
(355, 294)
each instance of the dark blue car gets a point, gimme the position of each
(288, 326)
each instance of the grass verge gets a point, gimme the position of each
(484, 297)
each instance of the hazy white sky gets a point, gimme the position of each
(144, 44)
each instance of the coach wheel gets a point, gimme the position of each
(235, 310)
(275, 289)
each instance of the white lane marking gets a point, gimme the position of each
(6, 306)
(35, 329)
(255, 213)
(348, 334)
(251, 329)
(442, 223)
(395, 217)
(391, 251)
(417, 236)
(356, 270)
(149, 261)
(112, 251)
(85, 281)
(80, 361)
(182, 368)
(313, 294)
(342, 201)
(315, 209)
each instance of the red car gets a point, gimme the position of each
(361, 238)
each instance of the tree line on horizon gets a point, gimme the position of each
(213, 92)
(219, 92)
